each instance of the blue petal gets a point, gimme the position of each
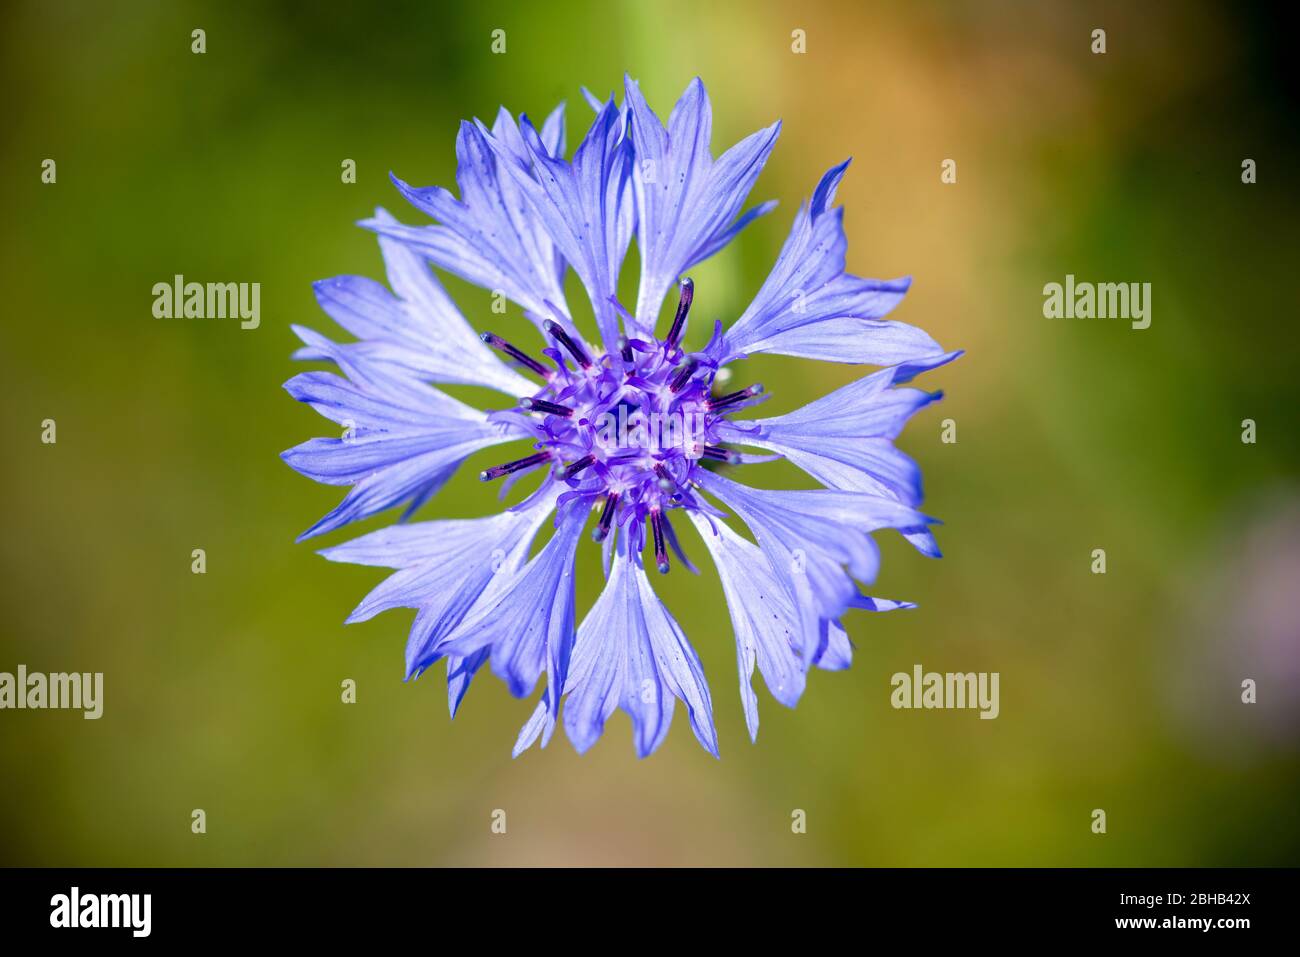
(541, 722)
(553, 131)
(835, 652)
(488, 237)
(373, 378)
(766, 626)
(526, 617)
(725, 236)
(809, 537)
(419, 329)
(844, 439)
(403, 439)
(631, 654)
(443, 568)
(460, 672)
(810, 307)
(585, 206)
(835, 522)
(593, 101)
(687, 203)
(867, 603)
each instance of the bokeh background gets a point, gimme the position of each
(1119, 691)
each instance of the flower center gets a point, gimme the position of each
(627, 430)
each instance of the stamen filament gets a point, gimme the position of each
(496, 471)
(606, 517)
(682, 377)
(541, 405)
(555, 330)
(576, 467)
(683, 307)
(665, 480)
(719, 454)
(496, 342)
(732, 398)
(661, 553)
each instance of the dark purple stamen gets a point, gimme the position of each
(496, 471)
(555, 330)
(661, 554)
(625, 348)
(606, 517)
(721, 402)
(683, 376)
(683, 307)
(576, 467)
(621, 458)
(541, 405)
(496, 342)
(665, 480)
(719, 454)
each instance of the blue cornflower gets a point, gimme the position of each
(628, 434)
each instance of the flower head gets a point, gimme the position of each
(626, 436)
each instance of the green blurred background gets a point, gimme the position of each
(1119, 691)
